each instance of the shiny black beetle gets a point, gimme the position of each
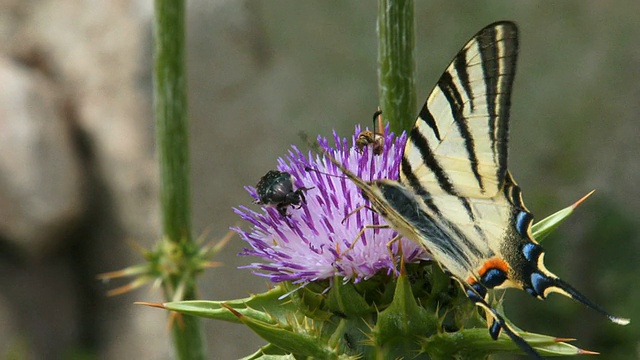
(275, 188)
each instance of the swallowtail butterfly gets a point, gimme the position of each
(455, 195)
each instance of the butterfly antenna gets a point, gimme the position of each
(309, 168)
(315, 147)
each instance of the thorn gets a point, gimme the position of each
(587, 352)
(111, 275)
(233, 311)
(177, 318)
(156, 305)
(119, 291)
(137, 246)
(579, 202)
(204, 234)
(212, 264)
(564, 339)
(135, 284)
(228, 238)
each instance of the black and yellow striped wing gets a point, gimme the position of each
(471, 215)
(455, 196)
(458, 145)
(455, 159)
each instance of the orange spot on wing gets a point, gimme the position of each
(493, 263)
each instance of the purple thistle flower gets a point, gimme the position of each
(313, 243)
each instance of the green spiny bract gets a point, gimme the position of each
(420, 314)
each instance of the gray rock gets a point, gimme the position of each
(40, 178)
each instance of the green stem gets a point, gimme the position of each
(396, 63)
(173, 147)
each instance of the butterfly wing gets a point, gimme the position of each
(458, 145)
(455, 158)
(455, 162)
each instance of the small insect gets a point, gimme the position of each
(375, 138)
(275, 188)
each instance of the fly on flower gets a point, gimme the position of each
(455, 196)
(374, 138)
(275, 188)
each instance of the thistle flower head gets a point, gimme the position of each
(324, 237)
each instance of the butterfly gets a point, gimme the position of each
(455, 195)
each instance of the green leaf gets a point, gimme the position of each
(269, 352)
(544, 227)
(345, 299)
(293, 341)
(549, 345)
(399, 326)
(477, 344)
(265, 307)
(260, 356)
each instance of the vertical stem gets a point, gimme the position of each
(396, 63)
(173, 147)
(171, 119)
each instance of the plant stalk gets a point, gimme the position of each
(396, 63)
(170, 102)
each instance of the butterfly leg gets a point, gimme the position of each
(390, 250)
(477, 295)
(355, 211)
(365, 228)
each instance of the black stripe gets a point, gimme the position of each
(429, 229)
(499, 72)
(508, 64)
(514, 195)
(429, 159)
(452, 94)
(468, 244)
(467, 207)
(427, 117)
(490, 69)
(480, 232)
(460, 64)
(417, 187)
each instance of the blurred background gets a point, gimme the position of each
(78, 174)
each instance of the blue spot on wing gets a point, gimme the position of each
(523, 220)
